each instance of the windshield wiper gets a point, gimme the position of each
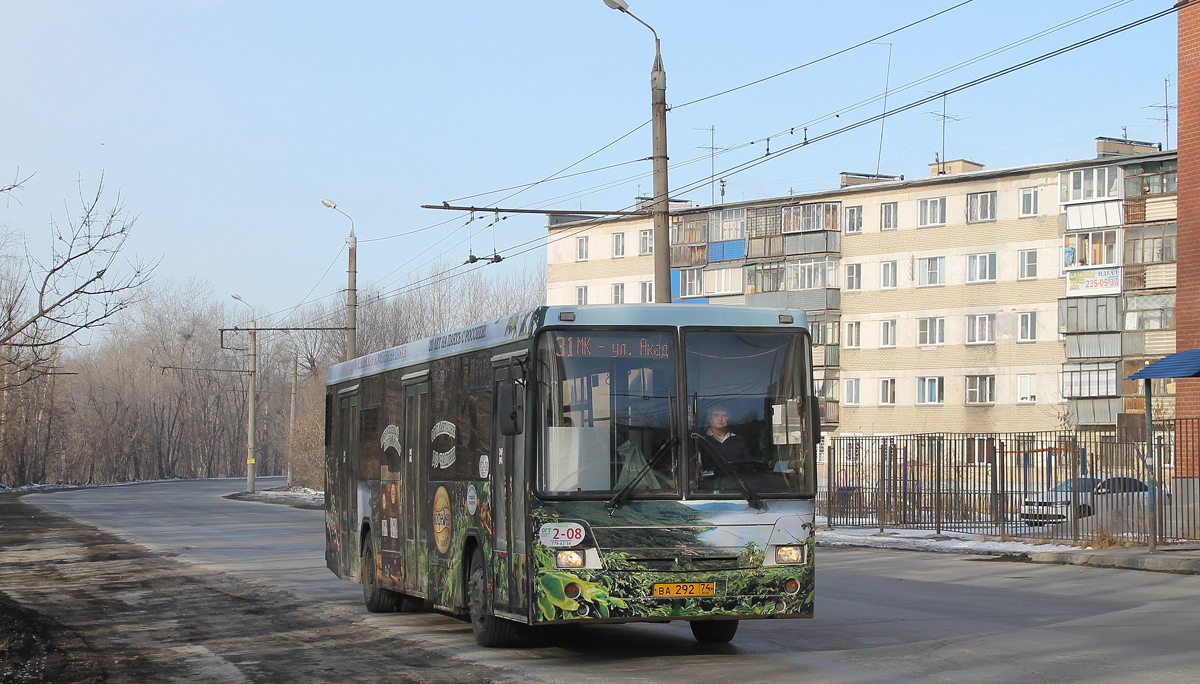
(627, 490)
(752, 497)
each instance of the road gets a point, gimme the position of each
(882, 615)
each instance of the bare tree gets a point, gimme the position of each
(77, 287)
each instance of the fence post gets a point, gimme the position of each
(1075, 474)
(879, 494)
(1002, 504)
(829, 493)
(937, 477)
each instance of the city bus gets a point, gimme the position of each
(574, 465)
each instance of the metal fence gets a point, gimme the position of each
(1088, 487)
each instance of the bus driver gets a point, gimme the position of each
(719, 446)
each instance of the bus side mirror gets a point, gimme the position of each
(510, 413)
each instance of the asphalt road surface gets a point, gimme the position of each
(218, 590)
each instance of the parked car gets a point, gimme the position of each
(1091, 493)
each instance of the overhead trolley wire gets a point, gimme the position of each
(822, 59)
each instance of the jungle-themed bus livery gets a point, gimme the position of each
(581, 464)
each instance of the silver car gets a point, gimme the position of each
(1081, 497)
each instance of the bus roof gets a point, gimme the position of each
(524, 324)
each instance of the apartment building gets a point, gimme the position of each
(969, 300)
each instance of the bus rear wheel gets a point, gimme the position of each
(714, 631)
(376, 598)
(490, 631)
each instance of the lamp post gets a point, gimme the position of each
(251, 398)
(658, 109)
(351, 287)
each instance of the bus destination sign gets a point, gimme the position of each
(613, 346)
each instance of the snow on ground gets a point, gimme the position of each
(296, 496)
(927, 540)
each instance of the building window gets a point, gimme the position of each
(981, 389)
(853, 277)
(1026, 388)
(931, 331)
(887, 275)
(931, 271)
(1150, 245)
(581, 248)
(887, 392)
(931, 391)
(1027, 264)
(1150, 312)
(1151, 178)
(853, 220)
(808, 274)
(981, 206)
(1028, 327)
(806, 218)
(1028, 202)
(853, 334)
(581, 295)
(932, 212)
(764, 277)
(1094, 248)
(981, 329)
(727, 224)
(618, 245)
(618, 293)
(1089, 380)
(723, 281)
(691, 282)
(851, 394)
(887, 333)
(1087, 184)
(689, 229)
(646, 241)
(647, 288)
(889, 216)
(981, 268)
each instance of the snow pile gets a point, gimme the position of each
(925, 540)
(296, 496)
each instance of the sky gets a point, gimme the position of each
(224, 124)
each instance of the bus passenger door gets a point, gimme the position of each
(345, 490)
(414, 507)
(508, 453)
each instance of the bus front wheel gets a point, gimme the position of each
(490, 631)
(376, 598)
(714, 631)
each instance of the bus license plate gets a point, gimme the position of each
(684, 589)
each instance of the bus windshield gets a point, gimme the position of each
(748, 414)
(608, 404)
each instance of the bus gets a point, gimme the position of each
(574, 465)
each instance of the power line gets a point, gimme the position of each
(822, 59)
(950, 91)
(738, 168)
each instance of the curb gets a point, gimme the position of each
(1158, 562)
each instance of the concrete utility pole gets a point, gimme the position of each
(658, 109)
(251, 399)
(292, 419)
(351, 286)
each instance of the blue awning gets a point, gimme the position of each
(1185, 364)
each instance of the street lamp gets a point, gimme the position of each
(658, 108)
(251, 398)
(351, 288)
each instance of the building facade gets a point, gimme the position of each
(971, 300)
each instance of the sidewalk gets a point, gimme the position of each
(1179, 559)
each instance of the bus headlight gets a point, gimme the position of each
(569, 558)
(789, 555)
